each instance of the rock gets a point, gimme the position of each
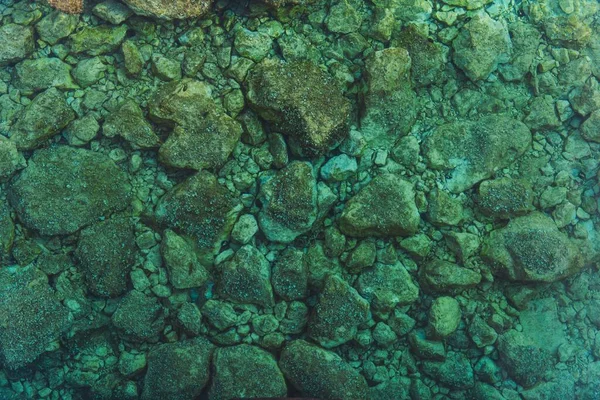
(383, 335)
(43, 118)
(235, 374)
(418, 245)
(246, 278)
(390, 103)
(320, 373)
(339, 168)
(16, 43)
(7, 232)
(139, 318)
(585, 99)
(470, 151)
(386, 286)
(426, 349)
(542, 114)
(463, 244)
(178, 371)
(97, 40)
(43, 73)
(31, 317)
(505, 198)
(252, 45)
(338, 313)
(202, 208)
(106, 252)
(444, 276)
(169, 9)
(219, 314)
(289, 203)
(134, 62)
(532, 249)
(480, 46)
(290, 275)
(129, 123)
(165, 68)
(395, 388)
(343, 17)
(481, 333)
(11, 160)
(56, 26)
(444, 316)
(244, 229)
(89, 71)
(428, 58)
(203, 136)
(525, 39)
(302, 102)
(185, 270)
(361, 257)
(443, 209)
(590, 130)
(64, 189)
(385, 207)
(455, 371)
(112, 11)
(524, 362)
(406, 151)
(82, 130)
(468, 4)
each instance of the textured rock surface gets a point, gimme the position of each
(169, 9)
(16, 43)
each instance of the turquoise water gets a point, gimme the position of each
(395, 199)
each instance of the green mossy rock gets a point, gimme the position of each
(338, 313)
(64, 189)
(320, 373)
(290, 275)
(112, 11)
(89, 71)
(525, 362)
(106, 252)
(31, 317)
(11, 160)
(505, 198)
(455, 371)
(590, 130)
(386, 286)
(139, 318)
(289, 203)
(134, 62)
(385, 207)
(427, 58)
(56, 26)
(97, 40)
(443, 209)
(80, 131)
(444, 276)
(252, 45)
(236, 374)
(43, 118)
(220, 314)
(7, 232)
(129, 123)
(470, 151)
(185, 270)
(16, 43)
(169, 9)
(444, 316)
(43, 73)
(178, 371)
(302, 102)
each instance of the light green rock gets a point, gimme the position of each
(444, 276)
(343, 17)
(11, 160)
(129, 123)
(443, 209)
(97, 40)
(386, 286)
(89, 71)
(252, 45)
(590, 130)
(134, 62)
(16, 43)
(185, 270)
(139, 318)
(165, 68)
(80, 131)
(43, 73)
(112, 11)
(56, 26)
(505, 197)
(444, 316)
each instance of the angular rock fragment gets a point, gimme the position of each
(590, 130)
(129, 123)
(525, 362)
(7, 232)
(169, 9)
(16, 43)
(290, 275)
(386, 286)
(64, 189)
(455, 371)
(185, 270)
(11, 160)
(505, 197)
(56, 26)
(43, 73)
(139, 317)
(97, 40)
(444, 276)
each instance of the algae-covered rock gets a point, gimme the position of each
(386, 286)
(220, 314)
(289, 202)
(590, 130)
(89, 71)
(481, 45)
(7, 231)
(505, 197)
(542, 114)
(16, 43)
(343, 17)
(169, 9)
(56, 26)
(31, 317)
(202, 208)
(252, 45)
(427, 58)
(385, 207)
(338, 313)
(63, 189)
(525, 39)
(178, 371)
(246, 278)
(444, 316)
(106, 252)
(468, 4)
(139, 317)
(290, 275)
(97, 40)
(129, 123)
(443, 209)
(11, 160)
(112, 11)
(43, 118)
(525, 362)
(43, 73)
(319, 373)
(470, 151)
(236, 374)
(532, 249)
(455, 371)
(134, 61)
(203, 136)
(185, 270)
(80, 131)
(302, 102)
(444, 276)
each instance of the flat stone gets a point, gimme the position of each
(97, 40)
(112, 11)
(89, 71)
(505, 197)
(525, 362)
(43, 73)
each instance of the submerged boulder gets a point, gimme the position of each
(16, 43)
(169, 9)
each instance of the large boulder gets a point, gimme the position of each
(470, 151)
(139, 317)
(532, 249)
(302, 102)
(385, 207)
(169, 9)
(64, 189)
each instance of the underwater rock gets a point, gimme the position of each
(7, 231)
(185, 270)
(203, 136)
(89, 71)
(386, 286)
(444, 316)
(139, 318)
(106, 252)
(246, 278)
(525, 362)
(97, 40)
(31, 317)
(468, 4)
(542, 114)
(64, 189)
(289, 203)
(129, 123)
(245, 371)
(82, 130)
(302, 102)
(134, 62)
(480, 46)
(385, 207)
(220, 314)
(443, 209)
(505, 198)
(252, 45)
(470, 151)
(455, 371)
(590, 129)
(11, 160)
(338, 313)
(525, 40)
(320, 373)
(244, 229)
(444, 276)
(112, 11)
(165, 68)
(16, 43)
(427, 58)
(179, 370)
(343, 17)
(43, 73)
(56, 26)
(290, 275)
(202, 208)
(169, 9)
(532, 249)
(43, 118)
